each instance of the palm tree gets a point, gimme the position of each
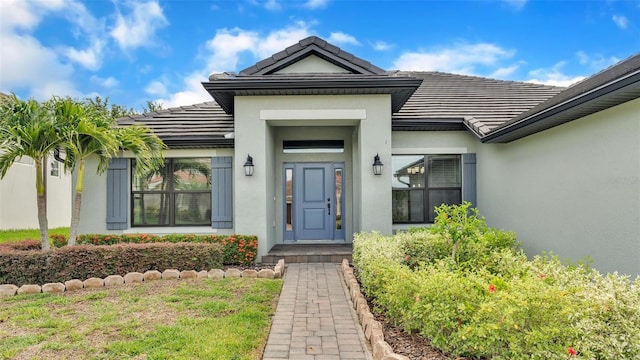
(29, 128)
(88, 133)
(92, 131)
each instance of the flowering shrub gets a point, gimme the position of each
(237, 249)
(484, 299)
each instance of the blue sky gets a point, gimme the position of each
(134, 51)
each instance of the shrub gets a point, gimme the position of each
(84, 261)
(485, 299)
(237, 249)
(23, 245)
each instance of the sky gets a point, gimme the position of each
(161, 50)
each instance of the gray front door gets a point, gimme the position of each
(313, 201)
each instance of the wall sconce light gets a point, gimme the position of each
(377, 165)
(248, 166)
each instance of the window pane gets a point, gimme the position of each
(438, 197)
(150, 209)
(193, 208)
(444, 171)
(408, 171)
(338, 178)
(408, 206)
(192, 174)
(152, 180)
(289, 198)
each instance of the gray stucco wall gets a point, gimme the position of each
(94, 199)
(573, 189)
(262, 122)
(18, 203)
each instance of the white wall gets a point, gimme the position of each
(260, 122)
(429, 143)
(18, 206)
(573, 189)
(94, 199)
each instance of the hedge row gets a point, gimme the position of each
(465, 288)
(236, 249)
(85, 261)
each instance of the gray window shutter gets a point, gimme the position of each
(117, 193)
(469, 178)
(222, 192)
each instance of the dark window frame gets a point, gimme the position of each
(171, 192)
(427, 188)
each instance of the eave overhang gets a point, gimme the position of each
(427, 124)
(195, 142)
(608, 95)
(224, 90)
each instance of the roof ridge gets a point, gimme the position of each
(301, 48)
(482, 78)
(165, 111)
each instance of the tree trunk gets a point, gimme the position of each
(77, 202)
(41, 194)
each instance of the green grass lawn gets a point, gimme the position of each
(164, 319)
(33, 234)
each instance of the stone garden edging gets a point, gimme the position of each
(137, 277)
(381, 350)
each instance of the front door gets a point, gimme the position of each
(313, 201)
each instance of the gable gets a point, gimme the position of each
(312, 64)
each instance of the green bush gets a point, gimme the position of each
(236, 249)
(84, 261)
(483, 298)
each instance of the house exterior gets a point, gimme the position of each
(560, 167)
(18, 206)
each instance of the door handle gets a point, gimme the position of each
(328, 206)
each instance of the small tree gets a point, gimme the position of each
(29, 128)
(91, 130)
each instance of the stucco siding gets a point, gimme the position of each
(573, 189)
(94, 199)
(18, 206)
(263, 122)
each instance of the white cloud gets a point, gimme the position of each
(316, 4)
(272, 5)
(280, 39)
(342, 38)
(596, 62)
(621, 21)
(553, 76)
(139, 27)
(24, 14)
(192, 93)
(90, 58)
(29, 66)
(459, 58)
(156, 88)
(381, 46)
(504, 72)
(223, 52)
(516, 4)
(108, 82)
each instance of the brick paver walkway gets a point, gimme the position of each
(314, 317)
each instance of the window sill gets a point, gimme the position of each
(171, 230)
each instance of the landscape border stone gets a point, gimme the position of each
(371, 327)
(136, 277)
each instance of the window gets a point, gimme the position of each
(54, 167)
(179, 194)
(423, 182)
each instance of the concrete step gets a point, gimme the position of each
(308, 253)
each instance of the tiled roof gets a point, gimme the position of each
(198, 125)
(615, 85)
(481, 103)
(312, 45)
